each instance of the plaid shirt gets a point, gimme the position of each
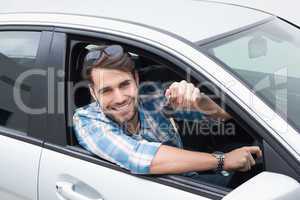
(105, 138)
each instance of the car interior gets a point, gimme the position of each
(211, 135)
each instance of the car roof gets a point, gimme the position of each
(193, 20)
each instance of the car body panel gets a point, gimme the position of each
(97, 181)
(190, 22)
(286, 9)
(265, 188)
(19, 169)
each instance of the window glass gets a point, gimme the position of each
(18, 51)
(267, 59)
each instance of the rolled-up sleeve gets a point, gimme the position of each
(110, 142)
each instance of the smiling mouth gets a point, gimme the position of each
(123, 107)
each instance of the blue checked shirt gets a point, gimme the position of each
(105, 138)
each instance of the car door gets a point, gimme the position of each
(22, 50)
(69, 172)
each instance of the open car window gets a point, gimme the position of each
(205, 135)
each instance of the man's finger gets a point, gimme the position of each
(188, 95)
(251, 159)
(244, 168)
(255, 150)
(195, 95)
(173, 93)
(181, 92)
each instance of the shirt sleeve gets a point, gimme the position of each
(110, 142)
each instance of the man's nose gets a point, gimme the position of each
(119, 97)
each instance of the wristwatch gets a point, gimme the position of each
(220, 156)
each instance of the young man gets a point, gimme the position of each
(120, 127)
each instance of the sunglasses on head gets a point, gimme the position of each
(93, 57)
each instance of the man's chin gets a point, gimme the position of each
(122, 118)
(128, 118)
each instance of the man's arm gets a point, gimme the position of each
(171, 160)
(143, 157)
(186, 95)
(209, 107)
(113, 144)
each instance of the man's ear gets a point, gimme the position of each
(92, 92)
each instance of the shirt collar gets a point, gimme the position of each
(143, 117)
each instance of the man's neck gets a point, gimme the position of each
(133, 125)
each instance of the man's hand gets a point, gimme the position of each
(183, 95)
(241, 159)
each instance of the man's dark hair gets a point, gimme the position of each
(109, 57)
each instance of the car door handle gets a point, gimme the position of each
(66, 190)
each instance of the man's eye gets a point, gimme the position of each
(105, 91)
(125, 84)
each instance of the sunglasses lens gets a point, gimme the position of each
(92, 57)
(113, 50)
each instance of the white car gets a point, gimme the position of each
(246, 60)
(286, 9)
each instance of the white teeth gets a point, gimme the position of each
(122, 107)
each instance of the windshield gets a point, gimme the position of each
(267, 59)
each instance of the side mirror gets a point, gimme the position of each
(267, 186)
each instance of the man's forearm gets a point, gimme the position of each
(209, 107)
(171, 160)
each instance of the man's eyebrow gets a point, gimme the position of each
(125, 81)
(108, 87)
(102, 89)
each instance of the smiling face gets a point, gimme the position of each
(117, 93)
